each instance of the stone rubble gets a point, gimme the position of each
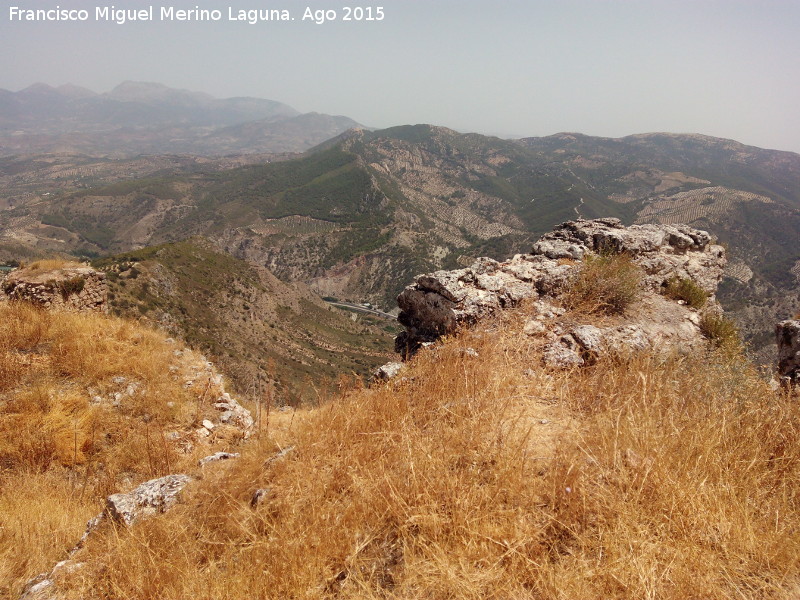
(79, 288)
(146, 500)
(387, 371)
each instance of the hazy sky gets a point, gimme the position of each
(602, 67)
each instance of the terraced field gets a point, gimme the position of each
(738, 270)
(687, 207)
(795, 270)
(296, 225)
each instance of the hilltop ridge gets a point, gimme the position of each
(367, 211)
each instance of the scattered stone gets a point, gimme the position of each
(234, 413)
(217, 456)
(589, 337)
(208, 425)
(561, 356)
(534, 327)
(40, 588)
(279, 455)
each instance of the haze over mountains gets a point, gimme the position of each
(150, 118)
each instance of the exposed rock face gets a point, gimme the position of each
(787, 334)
(78, 288)
(439, 303)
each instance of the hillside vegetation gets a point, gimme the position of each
(360, 215)
(261, 332)
(89, 406)
(479, 474)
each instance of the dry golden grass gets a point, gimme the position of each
(472, 478)
(61, 451)
(50, 264)
(42, 515)
(605, 284)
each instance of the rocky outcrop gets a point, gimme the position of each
(787, 334)
(71, 287)
(439, 303)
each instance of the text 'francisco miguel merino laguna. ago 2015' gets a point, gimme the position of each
(121, 16)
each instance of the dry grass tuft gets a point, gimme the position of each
(680, 288)
(473, 477)
(720, 330)
(606, 283)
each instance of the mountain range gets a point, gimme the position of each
(149, 118)
(359, 215)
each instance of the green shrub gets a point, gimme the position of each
(681, 288)
(606, 283)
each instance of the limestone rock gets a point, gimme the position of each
(234, 413)
(562, 355)
(588, 337)
(438, 303)
(217, 456)
(150, 498)
(40, 588)
(259, 497)
(387, 371)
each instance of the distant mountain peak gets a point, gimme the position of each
(38, 88)
(150, 92)
(73, 91)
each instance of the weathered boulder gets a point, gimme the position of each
(72, 287)
(438, 303)
(387, 371)
(787, 334)
(150, 498)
